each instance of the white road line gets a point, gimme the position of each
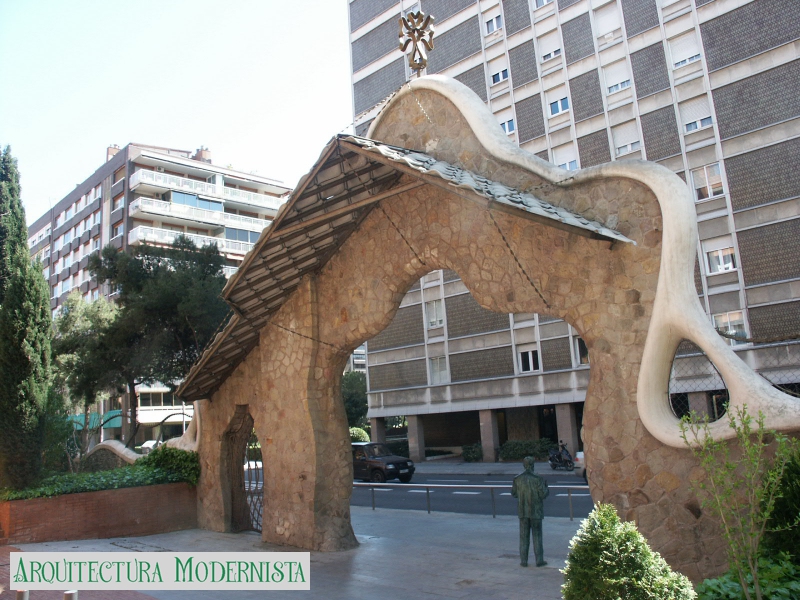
(573, 495)
(505, 493)
(467, 493)
(419, 491)
(383, 490)
(495, 481)
(451, 480)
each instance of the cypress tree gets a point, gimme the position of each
(25, 333)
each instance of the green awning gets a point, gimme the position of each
(112, 419)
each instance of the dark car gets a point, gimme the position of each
(375, 462)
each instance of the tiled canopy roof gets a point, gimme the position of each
(350, 177)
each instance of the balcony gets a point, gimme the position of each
(151, 235)
(189, 213)
(260, 200)
(229, 271)
(152, 179)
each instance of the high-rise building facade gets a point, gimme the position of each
(149, 194)
(709, 89)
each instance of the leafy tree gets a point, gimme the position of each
(25, 331)
(169, 309)
(81, 355)
(741, 490)
(354, 396)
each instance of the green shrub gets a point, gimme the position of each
(472, 453)
(609, 560)
(358, 435)
(73, 483)
(184, 464)
(519, 449)
(399, 448)
(783, 528)
(778, 578)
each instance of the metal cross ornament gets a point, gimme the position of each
(416, 30)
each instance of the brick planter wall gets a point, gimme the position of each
(111, 513)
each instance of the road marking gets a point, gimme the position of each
(419, 491)
(467, 493)
(451, 480)
(573, 495)
(497, 481)
(383, 490)
(505, 493)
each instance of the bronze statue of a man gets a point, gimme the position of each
(530, 490)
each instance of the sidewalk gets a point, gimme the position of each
(403, 555)
(456, 466)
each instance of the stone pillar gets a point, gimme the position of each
(377, 429)
(416, 438)
(490, 437)
(567, 426)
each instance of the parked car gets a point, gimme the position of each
(375, 462)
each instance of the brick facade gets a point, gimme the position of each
(466, 317)
(378, 85)
(455, 45)
(522, 62)
(124, 512)
(593, 149)
(363, 11)
(398, 375)
(764, 175)
(555, 354)
(775, 320)
(376, 43)
(660, 132)
(482, 364)
(770, 253)
(639, 15)
(587, 99)
(406, 329)
(757, 101)
(649, 67)
(530, 118)
(518, 16)
(749, 30)
(578, 38)
(444, 9)
(475, 79)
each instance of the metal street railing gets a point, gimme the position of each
(491, 488)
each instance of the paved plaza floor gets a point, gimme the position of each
(403, 555)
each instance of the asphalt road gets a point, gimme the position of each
(475, 501)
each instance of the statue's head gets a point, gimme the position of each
(527, 462)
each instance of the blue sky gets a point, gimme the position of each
(263, 84)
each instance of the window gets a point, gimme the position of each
(627, 148)
(55, 291)
(581, 351)
(721, 260)
(541, 3)
(95, 294)
(528, 361)
(626, 138)
(550, 46)
(46, 272)
(698, 124)
(46, 252)
(67, 237)
(508, 126)
(607, 21)
(559, 106)
(684, 50)
(117, 202)
(78, 229)
(239, 235)
(96, 244)
(438, 366)
(494, 24)
(97, 218)
(618, 87)
(68, 214)
(731, 323)
(695, 113)
(60, 220)
(570, 166)
(57, 244)
(500, 76)
(707, 182)
(119, 174)
(66, 286)
(434, 311)
(117, 230)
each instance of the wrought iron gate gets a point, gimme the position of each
(254, 481)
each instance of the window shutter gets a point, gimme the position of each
(684, 46)
(548, 43)
(564, 154)
(607, 19)
(624, 134)
(616, 72)
(695, 109)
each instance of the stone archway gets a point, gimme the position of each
(233, 455)
(370, 218)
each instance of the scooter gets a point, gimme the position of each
(561, 458)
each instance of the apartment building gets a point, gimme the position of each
(149, 194)
(708, 88)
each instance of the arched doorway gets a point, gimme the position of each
(242, 458)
